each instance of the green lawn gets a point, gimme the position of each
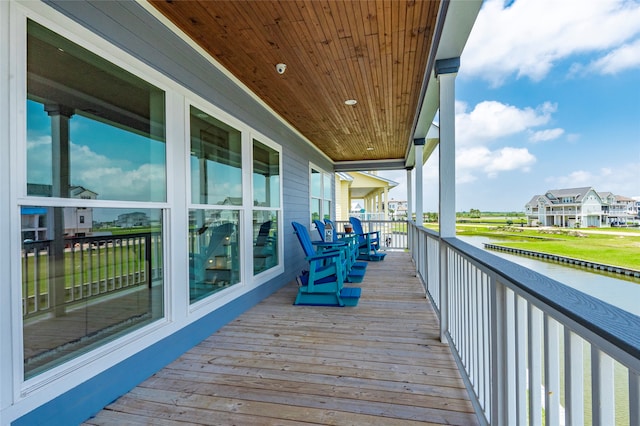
(585, 244)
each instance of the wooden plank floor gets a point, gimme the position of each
(379, 363)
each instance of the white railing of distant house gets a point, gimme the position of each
(393, 233)
(530, 349)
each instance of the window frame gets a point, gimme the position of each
(278, 269)
(83, 366)
(323, 174)
(177, 310)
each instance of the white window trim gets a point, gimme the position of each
(279, 269)
(25, 396)
(323, 173)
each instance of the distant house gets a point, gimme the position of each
(130, 220)
(398, 208)
(368, 187)
(578, 207)
(78, 221)
(618, 209)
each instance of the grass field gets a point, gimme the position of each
(618, 246)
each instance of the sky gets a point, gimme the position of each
(547, 97)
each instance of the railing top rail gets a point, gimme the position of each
(611, 323)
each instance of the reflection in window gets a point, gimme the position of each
(266, 175)
(320, 203)
(214, 263)
(265, 240)
(84, 284)
(216, 163)
(92, 127)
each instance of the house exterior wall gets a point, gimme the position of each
(343, 202)
(128, 30)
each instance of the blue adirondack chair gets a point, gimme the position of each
(218, 238)
(354, 271)
(352, 241)
(368, 242)
(323, 284)
(264, 249)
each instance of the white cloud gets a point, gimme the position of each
(546, 135)
(528, 37)
(111, 179)
(470, 161)
(490, 120)
(624, 58)
(621, 179)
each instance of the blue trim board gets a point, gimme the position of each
(87, 399)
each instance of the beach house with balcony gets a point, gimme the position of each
(206, 129)
(576, 207)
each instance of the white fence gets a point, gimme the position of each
(531, 350)
(393, 233)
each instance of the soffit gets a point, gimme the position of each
(374, 51)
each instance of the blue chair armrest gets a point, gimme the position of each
(323, 244)
(323, 255)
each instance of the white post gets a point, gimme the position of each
(409, 195)
(419, 144)
(386, 203)
(446, 71)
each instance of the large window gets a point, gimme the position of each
(91, 125)
(94, 132)
(216, 179)
(320, 194)
(214, 261)
(216, 163)
(266, 214)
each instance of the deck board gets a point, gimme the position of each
(379, 363)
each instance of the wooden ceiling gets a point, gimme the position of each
(374, 51)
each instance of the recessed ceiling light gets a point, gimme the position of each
(350, 102)
(370, 148)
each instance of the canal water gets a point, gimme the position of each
(618, 290)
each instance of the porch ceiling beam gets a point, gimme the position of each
(364, 165)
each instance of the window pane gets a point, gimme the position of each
(316, 184)
(266, 175)
(315, 209)
(214, 263)
(326, 185)
(92, 128)
(216, 163)
(265, 240)
(326, 209)
(84, 284)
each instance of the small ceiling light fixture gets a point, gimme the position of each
(281, 68)
(369, 148)
(350, 102)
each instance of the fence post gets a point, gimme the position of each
(497, 347)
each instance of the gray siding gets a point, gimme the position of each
(131, 28)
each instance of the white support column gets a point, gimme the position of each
(419, 144)
(409, 194)
(446, 71)
(385, 200)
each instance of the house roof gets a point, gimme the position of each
(381, 53)
(554, 196)
(577, 193)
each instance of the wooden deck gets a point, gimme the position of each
(379, 363)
